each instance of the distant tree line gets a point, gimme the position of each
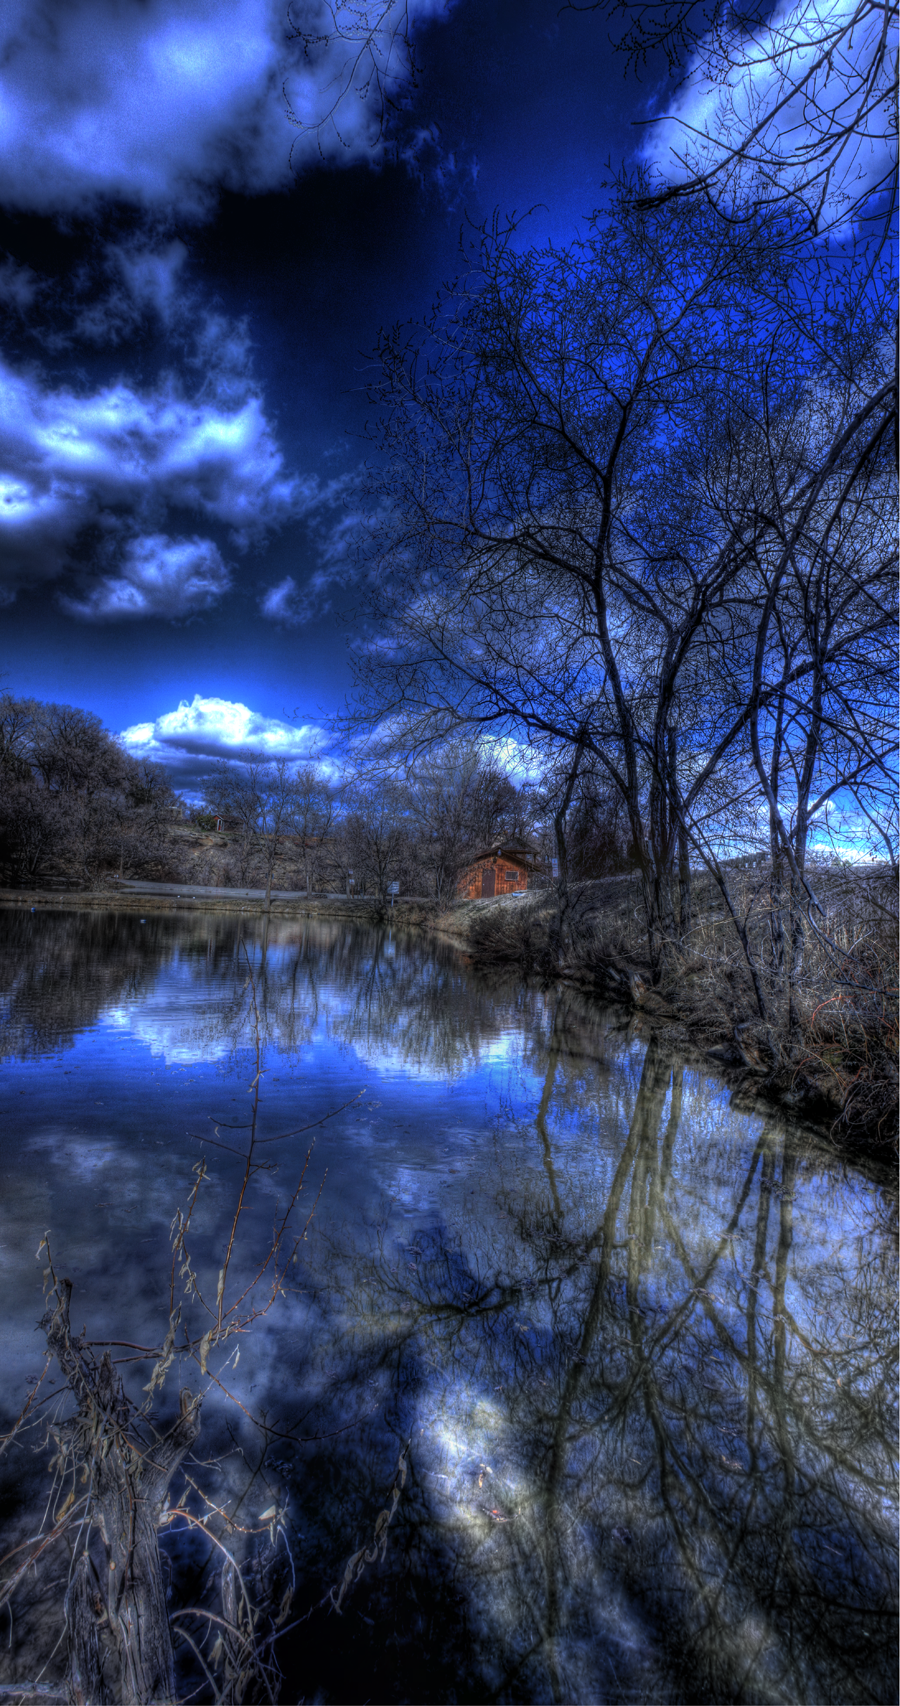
(76, 808)
(73, 804)
(419, 826)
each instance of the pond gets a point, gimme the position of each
(582, 1386)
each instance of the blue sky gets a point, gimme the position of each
(190, 286)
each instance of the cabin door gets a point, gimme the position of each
(488, 883)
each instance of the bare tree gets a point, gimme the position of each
(376, 837)
(613, 474)
(458, 800)
(260, 793)
(73, 803)
(360, 51)
(596, 833)
(793, 105)
(311, 814)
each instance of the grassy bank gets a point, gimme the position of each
(834, 1064)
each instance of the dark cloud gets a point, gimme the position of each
(20, 287)
(188, 315)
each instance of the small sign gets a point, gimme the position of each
(554, 867)
(393, 888)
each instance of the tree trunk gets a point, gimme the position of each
(562, 852)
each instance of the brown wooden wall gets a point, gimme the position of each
(509, 877)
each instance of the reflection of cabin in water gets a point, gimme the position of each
(505, 867)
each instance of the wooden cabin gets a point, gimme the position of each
(506, 867)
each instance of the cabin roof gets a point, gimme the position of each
(520, 852)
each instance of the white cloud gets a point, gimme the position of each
(209, 728)
(292, 605)
(152, 275)
(159, 577)
(159, 103)
(144, 282)
(68, 457)
(739, 81)
(449, 172)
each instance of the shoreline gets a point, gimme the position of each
(495, 934)
(361, 909)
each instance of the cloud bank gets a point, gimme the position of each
(160, 103)
(118, 459)
(188, 740)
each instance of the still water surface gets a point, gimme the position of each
(643, 1345)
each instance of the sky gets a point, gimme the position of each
(204, 223)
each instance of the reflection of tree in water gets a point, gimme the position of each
(650, 1450)
(60, 971)
(382, 996)
(649, 1385)
(419, 1003)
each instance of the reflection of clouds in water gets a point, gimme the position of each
(142, 1181)
(612, 1406)
(409, 1014)
(428, 1176)
(475, 1055)
(197, 1012)
(107, 1207)
(166, 1034)
(462, 1283)
(25, 1206)
(412, 1189)
(389, 1065)
(504, 1050)
(108, 1204)
(84, 1158)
